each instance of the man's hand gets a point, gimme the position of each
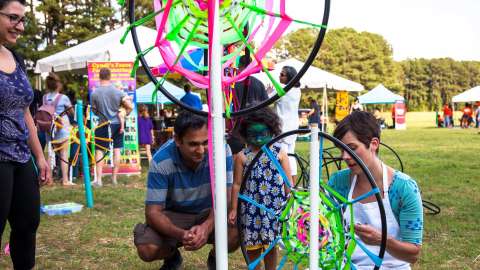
(368, 234)
(44, 173)
(196, 237)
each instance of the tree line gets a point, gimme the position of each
(367, 58)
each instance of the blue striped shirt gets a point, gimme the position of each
(178, 188)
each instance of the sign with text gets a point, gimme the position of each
(120, 79)
(400, 113)
(341, 105)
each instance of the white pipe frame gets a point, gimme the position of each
(219, 155)
(314, 196)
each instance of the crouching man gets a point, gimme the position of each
(178, 205)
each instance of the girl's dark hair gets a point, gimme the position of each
(291, 72)
(187, 120)
(265, 116)
(4, 3)
(362, 124)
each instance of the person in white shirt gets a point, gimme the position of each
(287, 109)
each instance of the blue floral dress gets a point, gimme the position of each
(266, 187)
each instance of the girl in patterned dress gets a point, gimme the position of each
(264, 185)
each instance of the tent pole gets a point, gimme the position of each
(325, 110)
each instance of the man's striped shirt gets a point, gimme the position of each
(178, 188)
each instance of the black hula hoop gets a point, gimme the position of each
(295, 80)
(104, 153)
(433, 209)
(339, 143)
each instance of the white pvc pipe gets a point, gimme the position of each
(314, 196)
(219, 156)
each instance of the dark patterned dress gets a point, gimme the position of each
(16, 95)
(266, 187)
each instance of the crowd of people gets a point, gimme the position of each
(470, 116)
(178, 203)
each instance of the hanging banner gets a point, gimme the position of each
(400, 113)
(120, 79)
(341, 105)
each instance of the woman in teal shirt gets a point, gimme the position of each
(400, 194)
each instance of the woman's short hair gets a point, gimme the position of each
(291, 72)
(362, 124)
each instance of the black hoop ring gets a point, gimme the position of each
(295, 80)
(338, 143)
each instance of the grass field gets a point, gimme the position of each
(445, 163)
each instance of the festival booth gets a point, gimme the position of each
(145, 93)
(106, 47)
(381, 95)
(163, 125)
(470, 95)
(316, 78)
(107, 51)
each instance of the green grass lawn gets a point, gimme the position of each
(445, 163)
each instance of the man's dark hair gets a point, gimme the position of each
(362, 124)
(291, 72)
(105, 74)
(244, 61)
(265, 116)
(187, 120)
(187, 88)
(4, 3)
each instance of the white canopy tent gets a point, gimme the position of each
(106, 47)
(380, 95)
(144, 93)
(313, 78)
(470, 95)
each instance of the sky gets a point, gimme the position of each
(414, 28)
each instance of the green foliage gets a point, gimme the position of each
(367, 58)
(363, 57)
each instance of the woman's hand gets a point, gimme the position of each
(232, 217)
(368, 234)
(44, 173)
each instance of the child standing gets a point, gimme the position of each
(264, 185)
(122, 114)
(145, 131)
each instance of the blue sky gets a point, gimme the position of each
(414, 28)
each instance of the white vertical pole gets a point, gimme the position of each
(314, 196)
(219, 156)
(325, 110)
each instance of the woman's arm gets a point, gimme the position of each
(237, 183)
(283, 157)
(37, 151)
(410, 219)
